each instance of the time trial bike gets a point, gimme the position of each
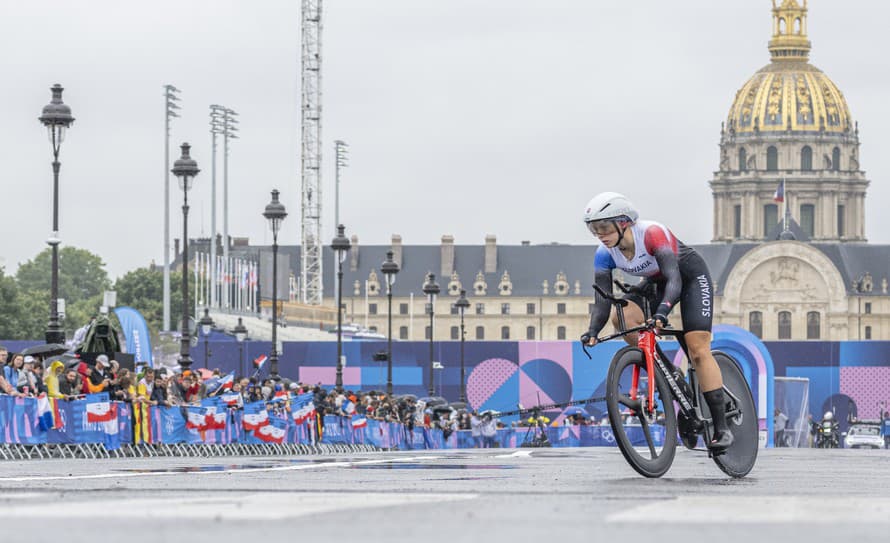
(642, 387)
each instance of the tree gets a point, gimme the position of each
(82, 274)
(143, 289)
(8, 306)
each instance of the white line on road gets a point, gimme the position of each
(720, 509)
(517, 454)
(253, 506)
(151, 473)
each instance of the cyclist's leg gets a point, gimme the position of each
(696, 303)
(633, 316)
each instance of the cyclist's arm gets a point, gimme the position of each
(602, 277)
(664, 247)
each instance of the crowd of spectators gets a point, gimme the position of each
(25, 376)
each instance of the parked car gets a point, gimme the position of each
(862, 436)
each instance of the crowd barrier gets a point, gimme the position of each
(24, 421)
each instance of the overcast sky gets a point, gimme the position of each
(464, 117)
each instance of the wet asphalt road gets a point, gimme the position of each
(436, 496)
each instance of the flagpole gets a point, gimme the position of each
(785, 206)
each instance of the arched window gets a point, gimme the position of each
(480, 332)
(836, 159)
(530, 332)
(814, 325)
(797, 25)
(505, 332)
(784, 325)
(782, 26)
(772, 159)
(806, 158)
(560, 332)
(455, 332)
(755, 323)
(743, 160)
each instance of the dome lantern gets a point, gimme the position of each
(789, 31)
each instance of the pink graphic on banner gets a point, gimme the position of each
(559, 352)
(486, 378)
(867, 385)
(352, 377)
(530, 394)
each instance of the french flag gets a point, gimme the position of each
(226, 382)
(260, 361)
(99, 409)
(779, 196)
(271, 433)
(358, 421)
(255, 416)
(232, 399)
(302, 414)
(348, 407)
(48, 413)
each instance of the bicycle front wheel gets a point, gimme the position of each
(648, 440)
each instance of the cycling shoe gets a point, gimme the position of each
(721, 441)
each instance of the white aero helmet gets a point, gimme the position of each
(828, 415)
(609, 205)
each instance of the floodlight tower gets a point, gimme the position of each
(310, 209)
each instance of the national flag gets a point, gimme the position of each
(99, 409)
(214, 419)
(48, 413)
(303, 407)
(223, 383)
(348, 407)
(359, 421)
(779, 196)
(196, 419)
(255, 416)
(260, 361)
(232, 399)
(274, 432)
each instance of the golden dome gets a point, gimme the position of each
(789, 94)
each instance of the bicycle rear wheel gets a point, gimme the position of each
(739, 458)
(649, 441)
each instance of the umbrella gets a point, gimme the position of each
(70, 360)
(50, 349)
(406, 397)
(459, 405)
(433, 400)
(576, 410)
(442, 408)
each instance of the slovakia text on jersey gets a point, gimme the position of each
(649, 236)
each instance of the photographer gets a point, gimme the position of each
(489, 430)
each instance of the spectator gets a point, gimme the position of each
(780, 420)
(4, 357)
(159, 394)
(70, 385)
(27, 381)
(6, 388)
(11, 370)
(100, 378)
(52, 380)
(39, 377)
(489, 430)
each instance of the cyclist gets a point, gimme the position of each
(649, 250)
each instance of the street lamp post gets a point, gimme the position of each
(57, 119)
(389, 268)
(240, 332)
(340, 245)
(431, 289)
(275, 214)
(462, 304)
(185, 169)
(206, 326)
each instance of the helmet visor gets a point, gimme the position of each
(601, 228)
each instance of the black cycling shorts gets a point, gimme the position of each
(696, 297)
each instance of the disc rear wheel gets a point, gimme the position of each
(647, 438)
(738, 460)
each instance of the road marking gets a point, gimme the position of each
(233, 506)
(719, 509)
(517, 454)
(126, 475)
